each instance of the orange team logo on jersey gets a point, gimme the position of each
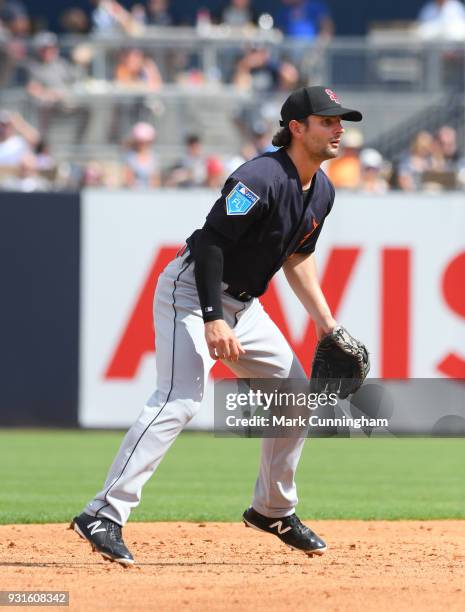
(315, 224)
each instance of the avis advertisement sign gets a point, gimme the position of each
(392, 269)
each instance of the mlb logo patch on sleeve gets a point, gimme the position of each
(240, 200)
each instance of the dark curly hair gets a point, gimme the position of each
(283, 137)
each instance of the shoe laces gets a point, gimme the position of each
(114, 531)
(297, 524)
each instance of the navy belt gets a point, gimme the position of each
(237, 294)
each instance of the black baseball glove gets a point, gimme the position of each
(340, 364)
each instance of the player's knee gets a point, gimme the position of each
(181, 411)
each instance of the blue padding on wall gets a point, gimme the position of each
(39, 309)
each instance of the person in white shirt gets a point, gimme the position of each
(442, 19)
(17, 138)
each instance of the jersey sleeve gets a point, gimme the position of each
(245, 199)
(307, 247)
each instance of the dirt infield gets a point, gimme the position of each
(222, 566)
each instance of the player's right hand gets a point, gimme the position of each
(222, 342)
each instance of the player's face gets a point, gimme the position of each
(322, 137)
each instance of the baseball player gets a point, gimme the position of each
(269, 216)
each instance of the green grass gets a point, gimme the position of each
(47, 476)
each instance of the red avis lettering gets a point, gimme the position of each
(395, 315)
(137, 338)
(453, 283)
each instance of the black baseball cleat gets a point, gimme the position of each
(289, 529)
(104, 537)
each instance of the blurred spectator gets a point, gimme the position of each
(15, 27)
(28, 177)
(442, 19)
(190, 170)
(139, 15)
(259, 142)
(446, 138)
(372, 179)
(306, 19)
(93, 175)
(420, 159)
(17, 138)
(258, 72)
(14, 15)
(141, 167)
(110, 17)
(261, 138)
(236, 161)
(45, 160)
(158, 13)
(215, 171)
(345, 171)
(187, 70)
(238, 14)
(74, 21)
(50, 80)
(82, 56)
(135, 69)
(203, 21)
(461, 174)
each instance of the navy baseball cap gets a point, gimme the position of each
(318, 100)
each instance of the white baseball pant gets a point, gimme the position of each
(183, 364)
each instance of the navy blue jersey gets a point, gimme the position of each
(264, 218)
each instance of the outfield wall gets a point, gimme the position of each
(39, 308)
(393, 270)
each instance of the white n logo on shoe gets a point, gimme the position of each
(94, 526)
(279, 526)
